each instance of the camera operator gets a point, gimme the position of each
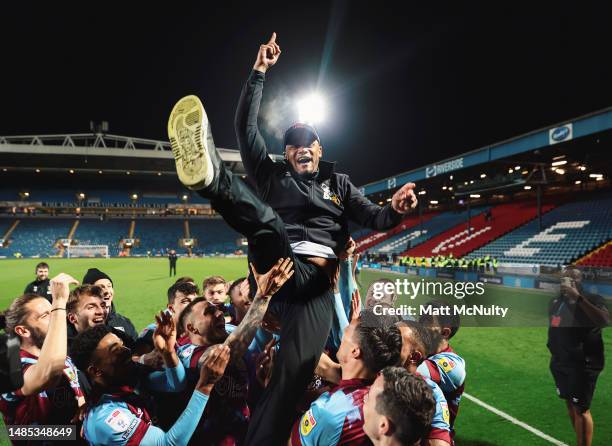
(576, 345)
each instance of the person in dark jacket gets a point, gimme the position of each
(577, 349)
(40, 286)
(115, 320)
(302, 212)
(172, 258)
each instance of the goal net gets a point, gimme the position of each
(87, 251)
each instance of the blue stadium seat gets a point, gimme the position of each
(568, 232)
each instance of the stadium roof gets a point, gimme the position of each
(94, 151)
(547, 137)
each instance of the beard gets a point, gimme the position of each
(37, 336)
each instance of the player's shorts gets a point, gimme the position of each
(575, 383)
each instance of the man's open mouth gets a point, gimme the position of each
(304, 159)
(98, 320)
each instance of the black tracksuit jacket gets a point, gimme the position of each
(314, 208)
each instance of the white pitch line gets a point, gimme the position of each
(513, 420)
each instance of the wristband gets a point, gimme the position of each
(56, 309)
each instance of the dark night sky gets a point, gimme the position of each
(407, 85)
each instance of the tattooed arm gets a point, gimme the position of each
(267, 284)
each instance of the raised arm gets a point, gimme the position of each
(172, 378)
(267, 284)
(370, 215)
(134, 431)
(253, 151)
(51, 361)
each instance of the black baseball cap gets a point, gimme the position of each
(300, 134)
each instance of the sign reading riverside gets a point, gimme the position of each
(448, 166)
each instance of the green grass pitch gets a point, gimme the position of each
(507, 367)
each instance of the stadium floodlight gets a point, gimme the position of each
(577, 182)
(471, 181)
(451, 177)
(443, 187)
(582, 168)
(81, 196)
(128, 172)
(596, 175)
(483, 175)
(380, 203)
(26, 194)
(134, 197)
(559, 163)
(37, 170)
(517, 167)
(510, 170)
(71, 171)
(422, 192)
(159, 174)
(433, 201)
(388, 200)
(527, 188)
(450, 188)
(560, 171)
(599, 179)
(311, 108)
(474, 195)
(99, 171)
(525, 172)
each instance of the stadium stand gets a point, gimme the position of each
(458, 241)
(101, 197)
(158, 235)
(403, 240)
(213, 236)
(97, 232)
(5, 225)
(35, 237)
(601, 257)
(568, 232)
(372, 239)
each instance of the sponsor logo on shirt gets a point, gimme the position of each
(445, 413)
(308, 423)
(446, 364)
(555, 321)
(130, 428)
(118, 421)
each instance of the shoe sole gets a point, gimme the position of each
(188, 131)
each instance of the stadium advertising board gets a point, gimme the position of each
(491, 279)
(547, 285)
(446, 274)
(560, 134)
(448, 166)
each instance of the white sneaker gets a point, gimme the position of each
(188, 131)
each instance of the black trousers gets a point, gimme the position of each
(304, 305)
(172, 268)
